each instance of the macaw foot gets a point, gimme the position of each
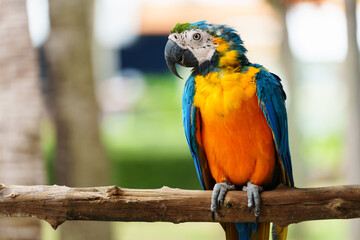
(253, 191)
(218, 195)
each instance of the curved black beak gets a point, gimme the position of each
(175, 54)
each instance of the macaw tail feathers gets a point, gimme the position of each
(247, 231)
(279, 233)
(262, 233)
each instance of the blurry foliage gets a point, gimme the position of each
(322, 154)
(48, 144)
(165, 231)
(325, 229)
(146, 145)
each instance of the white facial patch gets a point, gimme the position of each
(197, 41)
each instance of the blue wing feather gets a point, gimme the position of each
(272, 101)
(189, 122)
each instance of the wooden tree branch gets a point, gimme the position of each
(283, 206)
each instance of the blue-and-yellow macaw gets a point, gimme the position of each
(234, 118)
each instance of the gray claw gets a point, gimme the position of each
(218, 195)
(253, 192)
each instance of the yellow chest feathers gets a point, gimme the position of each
(221, 92)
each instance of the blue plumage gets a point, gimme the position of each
(245, 229)
(272, 102)
(189, 122)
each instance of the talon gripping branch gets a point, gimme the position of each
(234, 118)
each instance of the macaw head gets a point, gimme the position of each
(204, 47)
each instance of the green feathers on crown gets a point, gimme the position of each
(180, 27)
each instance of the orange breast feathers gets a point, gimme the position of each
(235, 136)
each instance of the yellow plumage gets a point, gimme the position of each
(216, 92)
(222, 45)
(229, 59)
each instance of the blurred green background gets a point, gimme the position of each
(147, 146)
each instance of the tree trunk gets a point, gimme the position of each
(353, 130)
(20, 111)
(80, 156)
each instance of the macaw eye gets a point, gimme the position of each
(197, 36)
